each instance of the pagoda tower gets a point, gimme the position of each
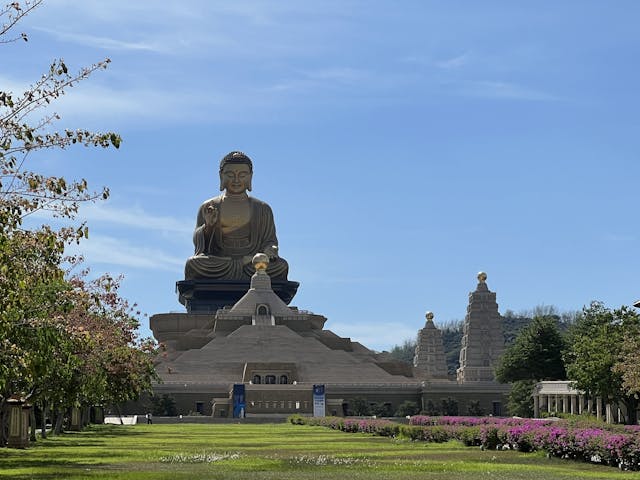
(483, 338)
(429, 358)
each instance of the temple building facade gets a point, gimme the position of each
(277, 353)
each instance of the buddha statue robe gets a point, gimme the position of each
(221, 253)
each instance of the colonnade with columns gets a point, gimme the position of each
(559, 397)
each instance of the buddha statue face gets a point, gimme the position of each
(235, 178)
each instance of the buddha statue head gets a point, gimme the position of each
(236, 172)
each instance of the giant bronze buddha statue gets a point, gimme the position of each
(232, 227)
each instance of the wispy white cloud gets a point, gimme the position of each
(123, 11)
(432, 61)
(103, 42)
(454, 62)
(100, 214)
(134, 217)
(93, 102)
(323, 78)
(99, 106)
(255, 12)
(503, 90)
(106, 250)
(247, 28)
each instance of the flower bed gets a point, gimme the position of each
(587, 441)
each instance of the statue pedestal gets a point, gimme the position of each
(207, 296)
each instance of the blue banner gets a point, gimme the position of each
(239, 403)
(318, 401)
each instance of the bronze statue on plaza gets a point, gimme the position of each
(232, 227)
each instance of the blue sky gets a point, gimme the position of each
(403, 146)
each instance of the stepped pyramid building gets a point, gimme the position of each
(278, 352)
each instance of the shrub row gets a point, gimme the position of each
(617, 446)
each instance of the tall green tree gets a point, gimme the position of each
(37, 348)
(535, 355)
(595, 357)
(108, 364)
(520, 402)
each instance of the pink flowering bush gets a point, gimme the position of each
(613, 445)
(383, 428)
(435, 434)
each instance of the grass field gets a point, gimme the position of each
(279, 451)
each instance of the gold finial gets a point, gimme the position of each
(260, 262)
(482, 277)
(429, 316)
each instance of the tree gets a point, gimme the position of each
(474, 409)
(449, 406)
(520, 401)
(535, 355)
(431, 409)
(381, 409)
(360, 407)
(452, 341)
(36, 346)
(164, 406)
(596, 359)
(22, 191)
(629, 361)
(405, 351)
(112, 364)
(407, 408)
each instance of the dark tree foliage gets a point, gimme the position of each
(512, 325)
(431, 409)
(452, 340)
(407, 408)
(164, 406)
(381, 409)
(449, 406)
(520, 401)
(359, 406)
(404, 352)
(536, 353)
(474, 409)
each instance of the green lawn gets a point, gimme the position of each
(279, 451)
